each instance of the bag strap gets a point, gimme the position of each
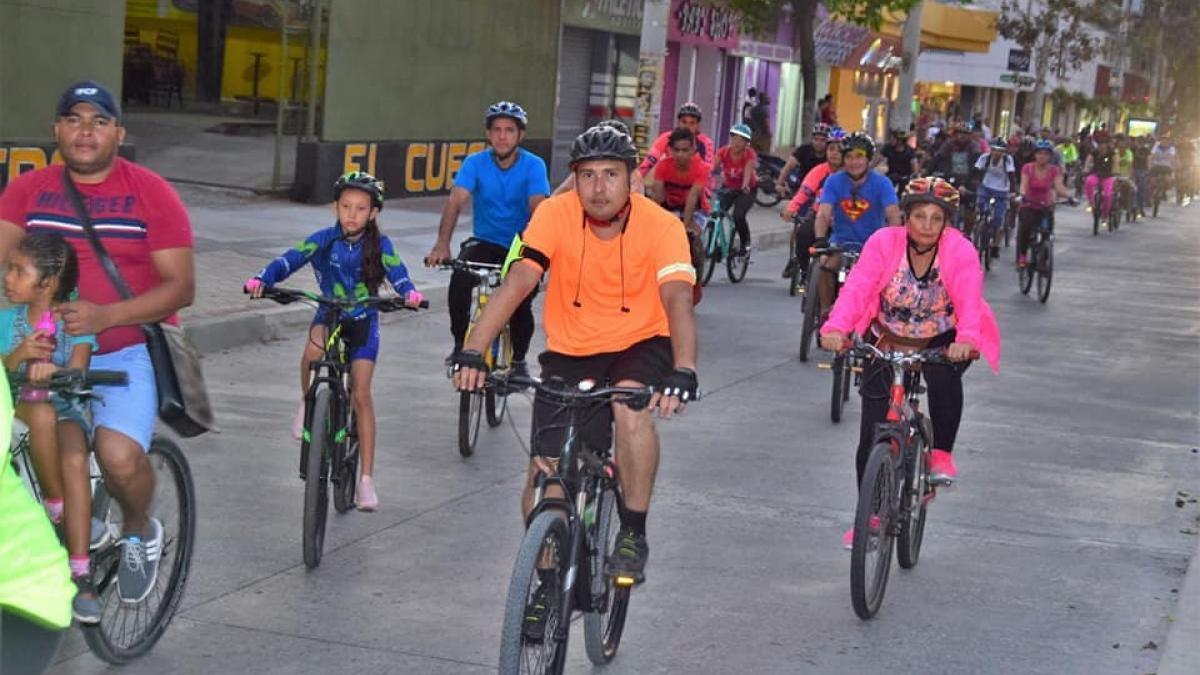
(106, 261)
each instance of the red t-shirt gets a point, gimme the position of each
(733, 172)
(135, 212)
(679, 183)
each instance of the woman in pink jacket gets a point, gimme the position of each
(916, 287)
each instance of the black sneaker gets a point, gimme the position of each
(628, 559)
(541, 607)
(86, 605)
(789, 268)
(995, 252)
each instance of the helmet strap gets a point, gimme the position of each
(921, 251)
(621, 217)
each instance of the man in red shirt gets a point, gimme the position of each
(688, 117)
(143, 225)
(680, 185)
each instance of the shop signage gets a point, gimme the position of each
(18, 159)
(700, 22)
(408, 169)
(645, 107)
(1017, 79)
(836, 40)
(1018, 60)
(610, 16)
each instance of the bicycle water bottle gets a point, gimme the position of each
(50, 327)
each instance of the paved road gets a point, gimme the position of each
(1061, 550)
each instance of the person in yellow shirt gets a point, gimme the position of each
(1123, 172)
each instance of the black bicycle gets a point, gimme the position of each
(1112, 219)
(896, 488)
(847, 371)
(329, 444)
(812, 302)
(127, 630)
(798, 279)
(981, 236)
(560, 563)
(1039, 264)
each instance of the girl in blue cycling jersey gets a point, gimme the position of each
(350, 259)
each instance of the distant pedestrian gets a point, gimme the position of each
(748, 104)
(760, 124)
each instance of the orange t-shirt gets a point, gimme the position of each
(625, 271)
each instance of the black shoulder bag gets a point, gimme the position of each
(183, 401)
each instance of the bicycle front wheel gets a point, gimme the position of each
(738, 260)
(316, 480)
(1045, 270)
(812, 309)
(127, 631)
(529, 646)
(712, 250)
(871, 553)
(470, 410)
(841, 371)
(912, 509)
(1025, 274)
(604, 624)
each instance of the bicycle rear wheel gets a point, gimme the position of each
(1025, 274)
(545, 542)
(796, 282)
(812, 309)
(470, 410)
(841, 369)
(1045, 270)
(316, 480)
(345, 471)
(604, 624)
(738, 259)
(871, 553)
(127, 631)
(496, 401)
(712, 250)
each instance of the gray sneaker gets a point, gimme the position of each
(139, 564)
(86, 605)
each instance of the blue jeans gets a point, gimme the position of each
(986, 193)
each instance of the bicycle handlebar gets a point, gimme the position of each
(904, 359)
(286, 296)
(577, 396)
(70, 380)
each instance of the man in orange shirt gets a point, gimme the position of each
(618, 311)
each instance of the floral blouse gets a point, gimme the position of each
(913, 307)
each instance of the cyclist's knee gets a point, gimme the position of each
(120, 456)
(361, 397)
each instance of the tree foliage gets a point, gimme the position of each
(1054, 33)
(1170, 28)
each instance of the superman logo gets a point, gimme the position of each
(854, 207)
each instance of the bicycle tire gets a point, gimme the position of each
(736, 263)
(913, 510)
(547, 528)
(839, 384)
(1157, 200)
(344, 476)
(316, 479)
(711, 249)
(811, 309)
(470, 410)
(496, 402)
(794, 282)
(764, 196)
(1045, 271)
(1096, 215)
(1025, 274)
(602, 628)
(874, 498)
(175, 563)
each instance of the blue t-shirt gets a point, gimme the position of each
(500, 197)
(857, 212)
(14, 327)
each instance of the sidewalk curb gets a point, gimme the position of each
(211, 335)
(1182, 655)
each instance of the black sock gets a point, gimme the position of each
(635, 520)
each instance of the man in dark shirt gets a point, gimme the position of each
(805, 157)
(956, 161)
(901, 159)
(1141, 172)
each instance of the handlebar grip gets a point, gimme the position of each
(106, 378)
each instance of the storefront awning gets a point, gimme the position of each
(959, 29)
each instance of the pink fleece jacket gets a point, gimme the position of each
(958, 262)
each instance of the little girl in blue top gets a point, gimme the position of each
(350, 259)
(42, 273)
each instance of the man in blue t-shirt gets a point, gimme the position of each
(504, 184)
(855, 202)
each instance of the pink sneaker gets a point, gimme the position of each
(298, 423)
(367, 500)
(848, 537)
(1022, 260)
(941, 468)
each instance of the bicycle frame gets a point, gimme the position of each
(329, 371)
(717, 218)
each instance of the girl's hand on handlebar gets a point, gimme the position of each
(834, 341)
(961, 351)
(254, 286)
(40, 372)
(413, 298)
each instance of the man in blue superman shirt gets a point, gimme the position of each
(855, 202)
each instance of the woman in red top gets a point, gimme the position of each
(738, 165)
(1040, 182)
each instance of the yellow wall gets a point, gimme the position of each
(184, 28)
(846, 104)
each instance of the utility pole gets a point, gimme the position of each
(280, 103)
(652, 55)
(910, 47)
(314, 68)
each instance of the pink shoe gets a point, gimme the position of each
(848, 537)
(1022, 260)
(941, 468)
(298, 423)
(366, 500)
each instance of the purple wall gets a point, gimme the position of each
(666, 112)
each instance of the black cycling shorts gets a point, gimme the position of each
(647, 362)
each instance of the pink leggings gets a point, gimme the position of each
(1089, 188)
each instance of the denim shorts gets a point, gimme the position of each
(131, 410)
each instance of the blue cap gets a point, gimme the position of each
(91, 92)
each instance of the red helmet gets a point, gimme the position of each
(931, 190)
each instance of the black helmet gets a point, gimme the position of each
(859, 141)
(604, 142)
(360, 180)
(615, 124)
(689, 109)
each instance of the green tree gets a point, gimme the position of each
(760, 14)
(1165, 35)
(1054, 34)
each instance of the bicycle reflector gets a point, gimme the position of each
(623, 581)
